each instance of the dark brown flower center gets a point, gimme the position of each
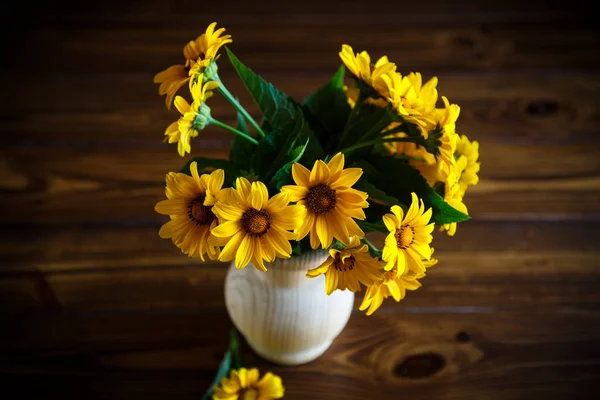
(256, 222)
(199, 213)
(405, 236)
(321, 199)
(344, 265)
(248, 394)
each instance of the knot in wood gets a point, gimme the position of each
(420, 366)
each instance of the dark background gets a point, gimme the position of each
(93, 304)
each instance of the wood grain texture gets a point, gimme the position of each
(94, 305)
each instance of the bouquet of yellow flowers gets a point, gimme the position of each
(377, 155)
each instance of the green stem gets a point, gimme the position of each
(371, 246)
(230, 129)
(377, 141)
(353, 114)
(372, 249)
(399, 129)
(235, 103)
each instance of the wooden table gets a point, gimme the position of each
(95, 305)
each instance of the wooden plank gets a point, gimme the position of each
(508, 108)
(137, 355)
(61, 170)
(67, 185)
(118, 204)
(355, 10)
(464, 281)
(66, 248)
(151, 47)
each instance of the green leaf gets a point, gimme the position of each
(274, 151)
(373, 251)
(375, 193)
(367, 227)
(278, 109)
(283, 117)
(234, 349)
(366, 124)
(241, 149)
(241, 124)
(284, 175)
(397, 178)
(327, 110)
(231, 360)
(208, 164)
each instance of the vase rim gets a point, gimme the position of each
(309, 260)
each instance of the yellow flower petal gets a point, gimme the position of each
(336, 165)
(258, 195)
(314, 238)
(231, 247)
(390, 221)
(295, 192)
(337, 226)
(282, 247)
(258, 255)
(243, 186)
(320, 173)
(216, 181)
(324, 231)
(227, 229)
(398, 212)
(244, 253)
(301, 175)
(173, 228)
(227, 212)
(271, 386)
(182, 105)
(348, 178)
(172, 207)
(394, 290)
(375, 303)
(278, 202)
(331, 280)
(306, 226)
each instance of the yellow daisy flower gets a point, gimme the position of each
(446, 118)
(254, 227)
(410, 235)
(189, 204)
(470, 151)
(360, 66)
(330, 201)
(194, 117)
(244, 384)
(392, 284)
(435, 169)
(453, 193)
(348, 268)
(198, 55)
(412, 100)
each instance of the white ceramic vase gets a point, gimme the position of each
(286, 317)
